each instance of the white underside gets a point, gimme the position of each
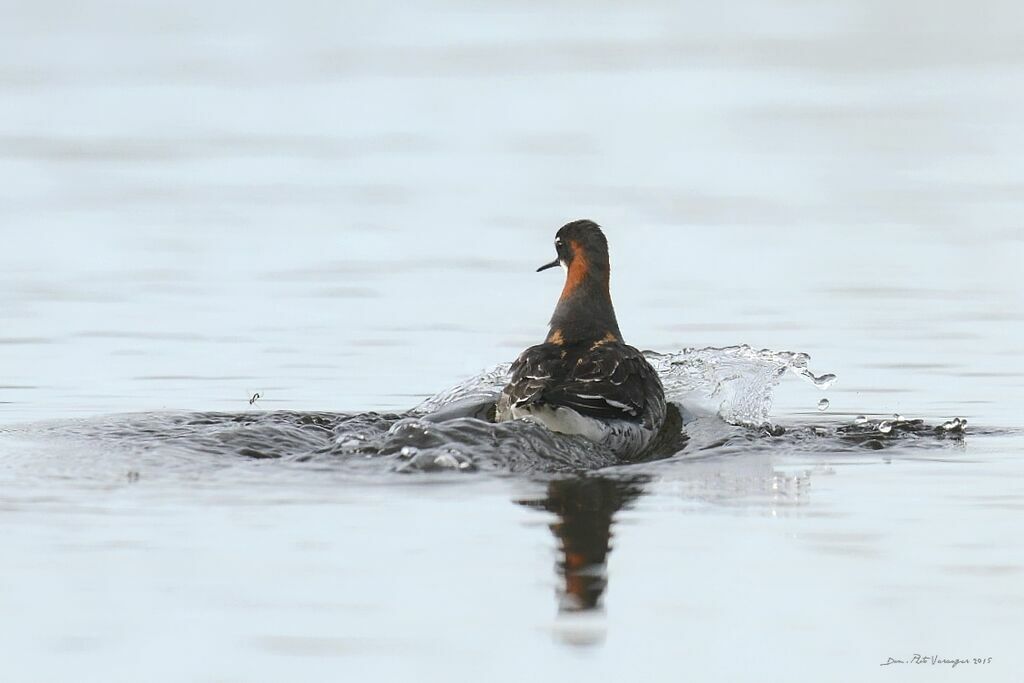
(622, 437)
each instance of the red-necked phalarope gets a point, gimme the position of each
(583, 379)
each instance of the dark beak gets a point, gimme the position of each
(553, 264)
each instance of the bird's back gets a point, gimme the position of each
(604, 390)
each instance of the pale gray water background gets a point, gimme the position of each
(340, 207)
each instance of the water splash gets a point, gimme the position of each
(368, 443)
(485, 386)
(723, 392)
(957, 424)
(875, 434)
(734, 382)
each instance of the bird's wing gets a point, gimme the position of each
(537, 368)
(611, 381)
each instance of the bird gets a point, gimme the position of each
(584, 379)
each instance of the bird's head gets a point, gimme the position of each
(582, 250)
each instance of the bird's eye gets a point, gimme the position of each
(558, 244)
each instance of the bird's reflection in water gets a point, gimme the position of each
(585, 508)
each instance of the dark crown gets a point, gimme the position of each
(588, 235)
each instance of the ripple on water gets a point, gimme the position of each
(723, 397)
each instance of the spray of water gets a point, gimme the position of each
(733, 382)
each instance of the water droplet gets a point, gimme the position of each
(823, 404)
(885, 426)
(957, 424)
(447, 460)
(897, 417)
(407, 451)
(820, 381)
(860, 419)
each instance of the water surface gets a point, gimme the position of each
(340, 208)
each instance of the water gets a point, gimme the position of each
(340, 208)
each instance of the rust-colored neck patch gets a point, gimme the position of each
(584, 312)
(578, 270)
